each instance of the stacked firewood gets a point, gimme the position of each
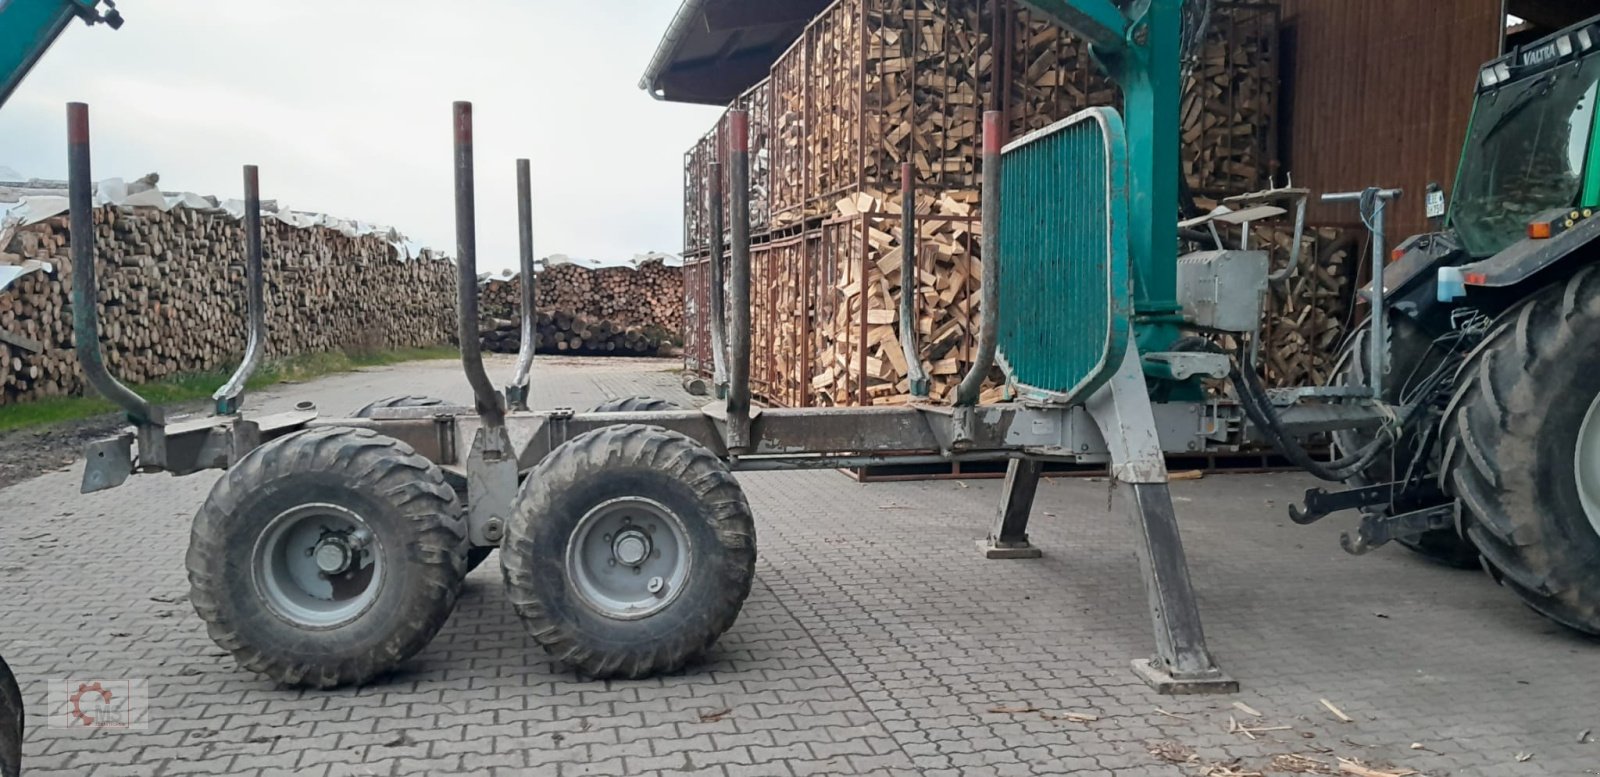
(1309, 313)
(171, 297)
(790, 117)
(1230, 103)
(893, 82)
(858, 358)
(874, 84)
(563, 331)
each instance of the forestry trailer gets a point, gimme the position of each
(332, 550)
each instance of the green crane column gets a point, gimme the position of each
(1148, 69)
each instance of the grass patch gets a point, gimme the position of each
(188, 388)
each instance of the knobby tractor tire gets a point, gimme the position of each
(11, 722)
(1510, 439)
(400, 401)
(634, 405)
(1410, 352)
(475, 555)
(420, 542)
(574, 484)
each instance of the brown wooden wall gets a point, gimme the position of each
(1380, 92)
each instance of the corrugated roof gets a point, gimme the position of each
(714, 50)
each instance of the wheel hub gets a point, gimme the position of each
(317, 565)
(1587, 461)
(332, 555)
(629, 557)
(631, 547)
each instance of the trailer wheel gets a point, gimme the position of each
(1522, 451)
(406, 400)
(634, 405)
(11, 723)
(327, 557)
(630, 551)
(475, 555)
(1410, 352)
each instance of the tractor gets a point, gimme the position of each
(1483, 329)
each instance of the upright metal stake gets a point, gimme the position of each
(909, 284)
(517, 392)
(230, 397)
(738, 402)
(989, 327)
(1373, 202)
(492, 462)
(487, 399)
(85, 322)
(718, 293)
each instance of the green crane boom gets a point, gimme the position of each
(28, 27)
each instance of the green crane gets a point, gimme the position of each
(28, 27)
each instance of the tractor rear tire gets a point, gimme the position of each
(475, 555)
(630, 551)
(11, 723)
(634, 405)
(1512, 451)
(327, 557)
(1410, 352)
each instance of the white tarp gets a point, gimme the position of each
(9, 273)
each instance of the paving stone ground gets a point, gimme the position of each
(875, 641)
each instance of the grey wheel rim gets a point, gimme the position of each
(1587, 462)
(629, 557)
(318, 565)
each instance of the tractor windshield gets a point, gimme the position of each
(1524, 155)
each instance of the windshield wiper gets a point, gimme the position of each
(1534, 90)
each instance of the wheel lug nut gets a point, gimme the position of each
(656, 585)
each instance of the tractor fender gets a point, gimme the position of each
(1528, 257)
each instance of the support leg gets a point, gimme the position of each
(1181, 663)
(1009, 537)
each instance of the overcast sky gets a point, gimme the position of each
(345, 105)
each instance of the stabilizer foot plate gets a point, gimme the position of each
(1173, 685)
(991, 549)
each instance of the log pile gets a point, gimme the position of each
(563, 331)
(648, 295)
(580, 310)
(172, 297)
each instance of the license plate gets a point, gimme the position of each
(1435, 205)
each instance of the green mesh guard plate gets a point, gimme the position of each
(1064, 288)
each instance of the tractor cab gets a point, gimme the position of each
(1528, 161)
(1526, 189)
